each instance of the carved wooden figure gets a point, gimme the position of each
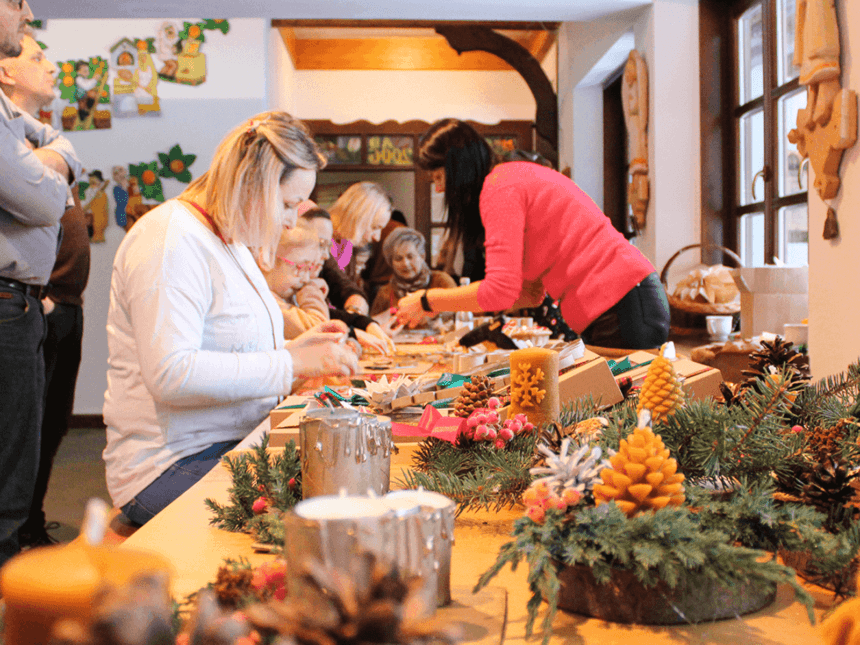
(634, 96)
(828, 124)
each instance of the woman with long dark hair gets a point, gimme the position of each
(539, 233)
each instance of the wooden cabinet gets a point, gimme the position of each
(360, 150)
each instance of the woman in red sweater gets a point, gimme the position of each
(540, 233)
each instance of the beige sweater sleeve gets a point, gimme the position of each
(309, 310)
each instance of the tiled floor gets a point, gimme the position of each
(78, 474)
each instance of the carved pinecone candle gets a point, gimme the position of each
(643, 476)
(474, 395)
(661, 391)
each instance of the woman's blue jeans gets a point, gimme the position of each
(173, 482)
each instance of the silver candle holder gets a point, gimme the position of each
(334, 530)
(436, 515)
(344, 451)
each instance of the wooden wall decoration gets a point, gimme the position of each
(478, 38)
(634, 97)
(827, 126)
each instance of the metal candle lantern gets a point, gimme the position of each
(333, 529)
(344, 450)
(437, 526)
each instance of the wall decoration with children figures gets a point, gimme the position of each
(120, 193)
(83, 83)
(179, 50)
(94, 202)
(135, 84)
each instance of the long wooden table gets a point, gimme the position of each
(183, 535)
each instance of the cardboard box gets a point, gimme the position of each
(590, 376)
(287, 408)
(771, 297)
(699, 381)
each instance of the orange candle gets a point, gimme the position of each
(534, 384)
(43, 586)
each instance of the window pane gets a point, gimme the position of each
(786, 14)
(752, 239)
(789, 159)
(751, 156)
(794, 235)
(751, 69)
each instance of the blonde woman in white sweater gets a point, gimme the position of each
(197, 356)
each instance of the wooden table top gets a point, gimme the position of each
(196, 549)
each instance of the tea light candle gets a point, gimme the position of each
(534, 384)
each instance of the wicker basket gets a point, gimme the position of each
(687, 316)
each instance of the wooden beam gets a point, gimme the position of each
(397, 53)
(471, 38)
(288, 35)
(540, 43)
(432, 24)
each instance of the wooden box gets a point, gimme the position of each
(699, 381)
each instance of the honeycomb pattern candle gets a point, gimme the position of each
(534, 384)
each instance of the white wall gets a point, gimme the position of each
(834, 305)
(667, 35)
(280, 74)
(195, 117)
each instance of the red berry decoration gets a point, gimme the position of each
(797, 428)
(292, 483)
(260, 506)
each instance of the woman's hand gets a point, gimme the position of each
(355, 304)
(409, 310)
(321, 351)
(378, 333)
(320, 284)
(370, 341)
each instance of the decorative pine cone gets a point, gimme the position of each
(232, 584)
(822, 442)
(474, 396)
(661, 391)
(643, 475)
(778, 354)
(829, 485)
(373, 603)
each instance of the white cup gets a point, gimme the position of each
(796, 334)
(719, 327)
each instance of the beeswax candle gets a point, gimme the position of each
(534, 384)
(46, 585)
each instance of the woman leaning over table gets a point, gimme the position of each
(197, 357)
(540, 233)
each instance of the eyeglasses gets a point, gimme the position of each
(300, 268)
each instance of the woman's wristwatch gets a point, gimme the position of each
(425, 304)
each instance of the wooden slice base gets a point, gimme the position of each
(624, 599)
